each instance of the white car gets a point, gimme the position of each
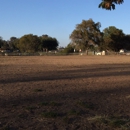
(98, 53)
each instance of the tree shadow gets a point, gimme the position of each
(91, 71)
(86, 101)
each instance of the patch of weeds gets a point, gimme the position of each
(103, 120)
(95, 118)
(73, 112)
(14, 105)
(86, 105)
(50, 114)
(43, 103)
(67, 120)
(49, 104)
(38, 90)
(117, 122)
(54, 104)
(30, 108)
(7, 127)
(128, 96)
(22, 115)
(125, 127)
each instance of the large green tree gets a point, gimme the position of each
(126, 42)
(29, 43)
(113, 39)
(4, 44)
(109, 4)
(1, 42)
(48, 43)
(69, 49)
(86, 34)
(13, 43)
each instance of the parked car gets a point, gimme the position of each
(98, 53)
(122, 51)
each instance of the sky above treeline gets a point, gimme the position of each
(57, 18)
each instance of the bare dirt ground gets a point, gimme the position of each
(65, 93)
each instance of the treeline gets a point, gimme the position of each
(29, 43)
(87, 36)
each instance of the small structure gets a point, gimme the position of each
(4, 50)
(103, 53)
(100, 53)
(6, 54)
(122, 51)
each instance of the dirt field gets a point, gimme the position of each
(65, 93)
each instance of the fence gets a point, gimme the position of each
(52, 53)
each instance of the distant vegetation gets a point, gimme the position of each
(85, 37)
(29, 43)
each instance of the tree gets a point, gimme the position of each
(86, 34)
(29, 43)
(113, 38)
(13, 43)
(4, 44)
(69, 49)
(109, 4)
(48, 43)
(126, 42)
(1, 42)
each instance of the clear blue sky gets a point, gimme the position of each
(57, 18)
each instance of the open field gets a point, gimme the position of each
(65, 93)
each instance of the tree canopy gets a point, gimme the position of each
(13, 43)
(1, 42)
(109, 4)
(86, 34)
(48, 42)
(29, 43)
(113, 38)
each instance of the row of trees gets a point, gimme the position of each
(87, 36)
(30, 43)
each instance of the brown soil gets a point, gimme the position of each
(65, 93)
